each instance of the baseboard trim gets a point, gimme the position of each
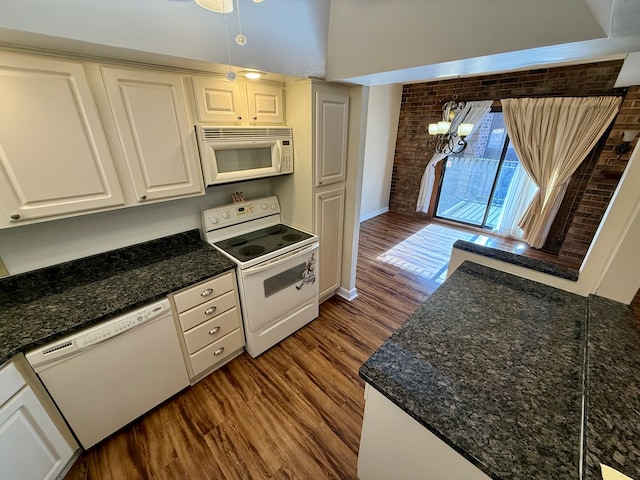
(347, 294)
(375, 213)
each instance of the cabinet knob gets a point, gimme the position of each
(214, 330)
(143, 197)
(239, 118)
(15, 216)
(255, 118)
(219, 351)
(320, 183)
(207, 292)
(209, 310)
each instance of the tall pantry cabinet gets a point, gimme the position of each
(313, 197)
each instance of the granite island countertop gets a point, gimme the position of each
(494, 365)
(38, 307)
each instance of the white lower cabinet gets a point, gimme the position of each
(209, 323)
(329, 219)
(34, 441)
(394, 445)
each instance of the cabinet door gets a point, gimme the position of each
(154, 132)
(54, 158)
(30, 444)
(219, 101)
(329, 220)
(331, 122)
(265, 104)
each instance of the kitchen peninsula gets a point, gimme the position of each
(515, 378)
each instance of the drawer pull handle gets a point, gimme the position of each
(207, 292)
(219, 351)
(214, 330)
(209, 310)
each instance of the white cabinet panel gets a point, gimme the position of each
(154, 132)
(329, 221)
(236, 103)
(54, 159)
(31, 446)
(265, 104)
(219, 101)
(331, 123)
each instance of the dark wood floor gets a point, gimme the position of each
(295, 412)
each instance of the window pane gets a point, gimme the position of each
(469, 176)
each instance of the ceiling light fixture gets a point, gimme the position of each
(252, 74)
(448, 142)
(219, 6)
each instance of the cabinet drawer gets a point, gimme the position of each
(11, 381)
(206, 311)
(216, 352)
(193, 296)
(212, 330)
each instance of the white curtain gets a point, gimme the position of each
(472, 113)
(551, 137)
(521, 191)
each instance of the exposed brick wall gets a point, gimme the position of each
(422, 104)
(599, 189)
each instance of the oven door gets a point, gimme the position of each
(272, 289)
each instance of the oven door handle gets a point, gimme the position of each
(271, 263)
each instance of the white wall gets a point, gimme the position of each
(368, 36)
(380, 144)
(29, 247)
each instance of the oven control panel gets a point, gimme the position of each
(239, 212)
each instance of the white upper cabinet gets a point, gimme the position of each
(265, 104)
(331, 123)
(236, 103)
(54, 158)
(219, 101)
(154, 133)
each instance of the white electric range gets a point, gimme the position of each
(276, 267)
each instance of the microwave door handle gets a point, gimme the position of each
(270, 263)
(279, 157)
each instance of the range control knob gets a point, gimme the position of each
(213, 220)
(264, 206)
(225, 215)
(273, 206)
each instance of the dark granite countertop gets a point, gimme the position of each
(40, 306)
(613, 390)
(494, 365)
(520, 260)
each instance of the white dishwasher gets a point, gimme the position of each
(104, 377)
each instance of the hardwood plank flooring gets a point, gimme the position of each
(295, 412)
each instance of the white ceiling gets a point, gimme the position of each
(368, 42)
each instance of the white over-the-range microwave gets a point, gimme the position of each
(232, 154)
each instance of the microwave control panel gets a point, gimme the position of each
(287, 156)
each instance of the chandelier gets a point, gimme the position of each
(446, 141)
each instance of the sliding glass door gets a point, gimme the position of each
(475, 184)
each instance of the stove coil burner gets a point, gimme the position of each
(251, 250)
(291, 237)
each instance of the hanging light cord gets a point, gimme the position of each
(226, 37)
(239, 24)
